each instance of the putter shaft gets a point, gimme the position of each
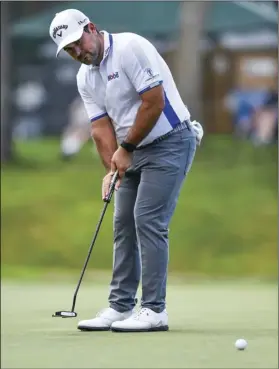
(72, 314)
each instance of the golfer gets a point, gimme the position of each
(143, 130)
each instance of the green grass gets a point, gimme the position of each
(225, 222)
(205, 320)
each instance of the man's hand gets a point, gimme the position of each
(121, 161)
(106, 183)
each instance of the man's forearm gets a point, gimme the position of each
(106, 151)
(104, 137)
(146, 119)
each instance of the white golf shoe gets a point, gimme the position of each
(145, 320)
(103, 320)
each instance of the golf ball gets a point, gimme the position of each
(241, 344)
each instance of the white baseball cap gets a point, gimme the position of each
(66, 27)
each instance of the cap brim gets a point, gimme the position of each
(69, 39)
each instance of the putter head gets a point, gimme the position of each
(64, 314)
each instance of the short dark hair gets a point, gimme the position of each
(86, 29)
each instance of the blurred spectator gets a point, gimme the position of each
(243, 103)
(265, 121)
(255, 115)
(243, 121)
(77, 132)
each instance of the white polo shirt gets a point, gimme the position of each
(131, 65)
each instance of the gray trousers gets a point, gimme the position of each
(144, 205)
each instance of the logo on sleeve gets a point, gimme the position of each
(150, 74)
(113, 76)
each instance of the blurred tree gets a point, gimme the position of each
(188, 67)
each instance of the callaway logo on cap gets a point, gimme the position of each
(67, 27)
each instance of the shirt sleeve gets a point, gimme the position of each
(141, 65)
(94, 111)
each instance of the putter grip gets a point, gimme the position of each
(111, 187)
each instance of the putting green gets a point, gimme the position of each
(205, 320)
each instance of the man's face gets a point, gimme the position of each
(88, 49)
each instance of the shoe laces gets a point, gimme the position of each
(142, 311)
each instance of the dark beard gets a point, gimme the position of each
(97, 56)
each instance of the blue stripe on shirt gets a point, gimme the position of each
(169, 112)
(98, 117)
(154, 84)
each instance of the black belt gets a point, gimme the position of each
(180, 127)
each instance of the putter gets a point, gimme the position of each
(72, 313)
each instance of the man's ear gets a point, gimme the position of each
(92, 28)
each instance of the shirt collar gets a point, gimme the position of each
(108, 42)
